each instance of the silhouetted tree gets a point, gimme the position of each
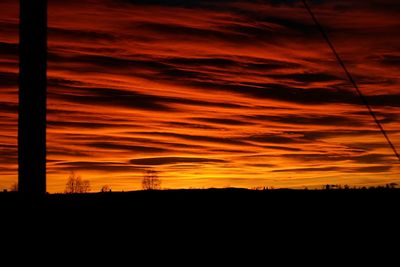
(105, 188)
(151, 181)
(75, 185)
(14, 187)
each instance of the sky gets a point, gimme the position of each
(241, 93)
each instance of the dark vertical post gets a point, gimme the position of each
(32, 97)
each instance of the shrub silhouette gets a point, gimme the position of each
(105, 188)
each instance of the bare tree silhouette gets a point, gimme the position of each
(151, 181)
(76, 185)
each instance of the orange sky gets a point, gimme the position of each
(211, 93)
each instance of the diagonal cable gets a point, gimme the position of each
(351, 79)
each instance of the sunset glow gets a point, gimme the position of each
(209, 93)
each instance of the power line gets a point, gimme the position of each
(351, 79)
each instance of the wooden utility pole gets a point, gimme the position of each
(32, 97)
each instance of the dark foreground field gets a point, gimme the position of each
(205, 219)
(208, 202)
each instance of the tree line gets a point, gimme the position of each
(76, 185)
